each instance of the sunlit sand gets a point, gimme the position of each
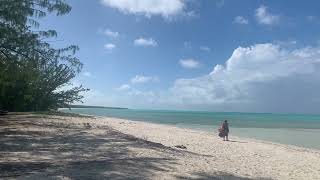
(36, 146)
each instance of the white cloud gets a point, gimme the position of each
(109, 46)
(189, 63)
(205, 48)
(111, 34)
(124, 87)
(287, 44)
(87, 74)
(240, 20)
(143, 79)
(141, 98)
(266, 18)
(148, 8)
(136, 92)
(145, 42)
(101, 98)
(263, 77)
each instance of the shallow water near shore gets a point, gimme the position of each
(295, 129)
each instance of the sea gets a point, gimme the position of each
(294, 129)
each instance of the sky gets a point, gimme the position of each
(210, 55)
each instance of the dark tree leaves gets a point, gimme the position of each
(34, 75)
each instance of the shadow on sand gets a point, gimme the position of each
(70, 151)
(236, 141)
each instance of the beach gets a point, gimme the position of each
(41, 146)
(273, 127)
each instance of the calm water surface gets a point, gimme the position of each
(295, 129)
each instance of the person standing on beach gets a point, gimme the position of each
(224, 130)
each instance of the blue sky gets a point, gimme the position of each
(217, 55)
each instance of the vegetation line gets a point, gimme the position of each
(35, 76)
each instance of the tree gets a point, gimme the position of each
(33, 74)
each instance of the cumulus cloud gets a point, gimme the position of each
(145, 42)
(240, 20)
(143, 79)
(148, 8)
(266, 18)
(141, 98)
(111, 34)
(132, 97)
(109, 46)
(189, 63)
(266, 77)
(263, 77)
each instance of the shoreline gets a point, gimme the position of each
(271, 128)
(238, 150)
(215, 133)
(37, 146)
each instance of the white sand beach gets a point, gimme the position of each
(38, 147)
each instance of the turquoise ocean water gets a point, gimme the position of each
(295, 129)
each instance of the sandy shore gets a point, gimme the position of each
(39, 147)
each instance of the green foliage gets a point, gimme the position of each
(33, 74)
